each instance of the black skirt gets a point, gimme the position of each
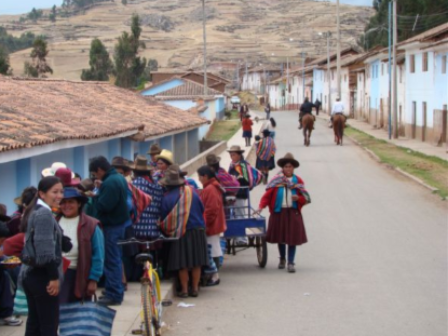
(262, 164)
(190, 251)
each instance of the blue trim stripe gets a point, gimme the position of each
(84, 331)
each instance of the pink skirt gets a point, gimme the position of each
(286, 227)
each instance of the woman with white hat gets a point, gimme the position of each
(164, 160)
(285, 196)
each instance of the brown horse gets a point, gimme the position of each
(307, 125)
(338, 127)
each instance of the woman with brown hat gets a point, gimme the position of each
(182, 217)
(146, 227)
(285, 196)
(154, 150)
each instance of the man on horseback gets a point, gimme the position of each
(338, 108)
(306, 108)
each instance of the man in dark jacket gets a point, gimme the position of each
(318, 104)
(112, 210)
(306, 108)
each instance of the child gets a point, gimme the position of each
(247, 129)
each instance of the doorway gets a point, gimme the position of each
(424, 115)
(414, 119)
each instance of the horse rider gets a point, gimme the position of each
(306, 108)
(338, 108)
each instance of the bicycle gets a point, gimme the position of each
(150, 290)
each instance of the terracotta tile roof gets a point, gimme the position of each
(39, 112)
(187, 90)
(185, 73)
(263, 68)
(323, 60)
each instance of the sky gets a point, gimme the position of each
(25, 6)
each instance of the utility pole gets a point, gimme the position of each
(394, 71)
(303, 73)
(246, 80)
(287, 82)
(328, 34)
(390, 70)
(338, 51)
(205, 48)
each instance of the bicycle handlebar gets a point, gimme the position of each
(143, 242)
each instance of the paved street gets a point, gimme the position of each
(375, 263)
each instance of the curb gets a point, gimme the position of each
(398, 170)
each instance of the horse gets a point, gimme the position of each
(307, 125)
(338, 127)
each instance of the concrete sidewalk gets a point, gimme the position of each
(126, 319)
(238, 140)
(415, 145)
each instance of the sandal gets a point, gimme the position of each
(282, 264)
(194, 293)
(11, 321)
(211, 283)
(182, 295)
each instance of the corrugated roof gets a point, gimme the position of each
(38, 112)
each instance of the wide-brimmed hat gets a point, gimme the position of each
(154, 149)
(66, 177)
(141, 164)
(18, 200)
(236, 149)
(119, 162)
(51, 171)
(3, 216)
(212, 159)
(74, 193)
(172, 177)
(87, 185)
(166, 155)
(288, 158)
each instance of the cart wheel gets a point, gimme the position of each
(262, 251)
(229, 246)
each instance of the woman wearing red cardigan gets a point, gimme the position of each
(212, 197)
(285, 196)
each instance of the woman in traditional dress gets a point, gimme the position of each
(265, 155)
(182, 217)
(286, 195)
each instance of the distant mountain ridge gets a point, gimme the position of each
(237, 30)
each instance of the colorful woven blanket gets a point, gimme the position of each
(175, 223)
(280, 180)
(250, 174)
(140, 202)
(266, 149)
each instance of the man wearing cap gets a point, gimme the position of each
(112, 208)
(229, 182)
(154, 150)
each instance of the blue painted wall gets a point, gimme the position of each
(181, 104)
(8, 180)
(441, 82)
(318, 85)
(193, 143)
(152, 91)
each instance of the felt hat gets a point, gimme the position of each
(166, 155)
(288, 158)
(3, 216)
(172, 177)
(141, 164)
(212, 159)
(154, 149)
(266, 132)
(66, 177)
(236, 149)
(18, 200)
(51, 171)
(119, 162)
(74, 193)
(87, 184)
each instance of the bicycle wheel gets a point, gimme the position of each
(148, 323)
(157, 301)
(262, 251)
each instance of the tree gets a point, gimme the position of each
(4, 61)
(39, 66)
(431, 14)
(53, 13)
(124, 2)
(100, 63)
(35, 14)
(129, 67)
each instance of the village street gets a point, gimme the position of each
(375, 263)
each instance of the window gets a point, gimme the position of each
(444, 60)
(425, 62)
(412, 63)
